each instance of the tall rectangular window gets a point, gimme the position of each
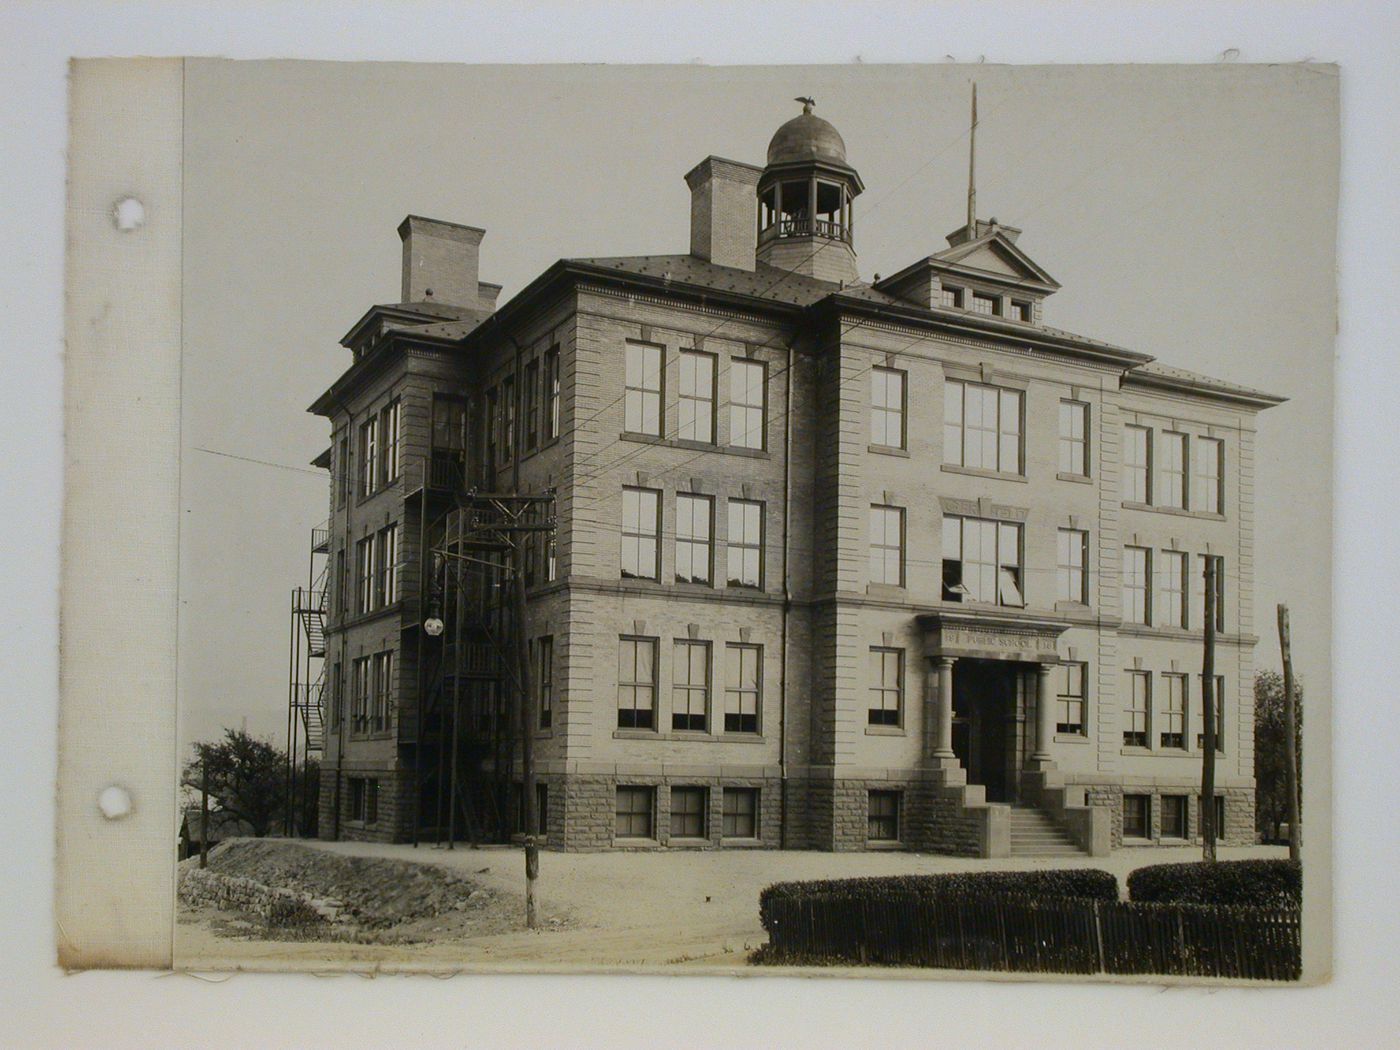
(1173, 471)
(982, 426)
(551, 392)
(690, 685)
(508, 418)
(882, 816)
(1137, 585)
(532, 406)
(551, 558)
(743, 687)
(369, 455)
(887, 545)
(1173, 817)
(342, 472)
(365, 575)
(982, 561)
(1137, 713)
(697, 396)
(386, 568)
(641, 528)
(748, 382)
(1137, 464)
(636, 683)
(745, 541)
(1174, 711)
(641, 409)
(1137, 816)
(361, 678)
(740, 813)
(689, 810)
(1069, 704)
(391, 441)
(694, 528)
(383, 690)
(1073, 569)
(1219, 717)
(887, 407)
(544, 675)
(886, 687)
(635, 806)
(1171, 583)
(490, 428)
(1199, 589)
(1208, 476)
(1074, 438)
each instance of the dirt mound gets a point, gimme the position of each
(370, 892)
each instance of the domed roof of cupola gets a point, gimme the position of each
(806, 138)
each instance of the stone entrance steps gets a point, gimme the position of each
(1035, 834)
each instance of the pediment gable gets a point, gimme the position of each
(995, 253)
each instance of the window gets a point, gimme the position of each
(1174, 712)
(883, 816)
(364, 590)
(740, 813)
(747, 385)
(745, 543)
(1137, 816)
(641, 528)
(1073, 569)
(1137, 715)
(386, 587)
(391, 443)
(887, 407)
(641, 410)
(1200, 590)
(341, 582)
(1074, 438)
(634, 809)
(1137, 585)
(887, 545)
(689, 808)
(532, 406)
(1137, 464)
(369, 455)
(697, 396)
(694, 518)
(1173, 816)
(743, 687)
(1069, 705)
(364, 799)
(1208, 475)
(449, 442)
(544, 675)
(361, 674)
(985, 304)
(690, 685)
(490, 426)
(551, 390)
(1022, 311)
(1219, 716)
(508, 418)
(886, 687)
(1173, 472)
(982, 427)
(334, 708)
(383, 691)
(981, 561)
(636, 683)
(1172, 584)
(342, 472)
(551, 558)
(950, 296)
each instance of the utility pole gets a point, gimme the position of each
(204, 810)
(1290, 728)
(528, 719)
(1208, 699)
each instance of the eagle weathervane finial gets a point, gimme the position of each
(807, 103)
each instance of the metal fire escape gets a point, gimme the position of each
(306, 715)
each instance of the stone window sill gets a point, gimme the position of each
(978, 472)
(1082, 479)
(1071, 738)
(697, 446)
(741, 843)
(885, 731)
(889, 450)
(1178, 512)
(883, 845)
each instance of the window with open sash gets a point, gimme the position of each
(982, 561)
(636, 683)
(1137, 714)
(743, 687)
(690, 685)
(886, 687)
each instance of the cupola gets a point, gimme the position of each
(805, 215)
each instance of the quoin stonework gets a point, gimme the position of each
(837, 563)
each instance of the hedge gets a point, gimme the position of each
(1091, 883)
(1254, 883)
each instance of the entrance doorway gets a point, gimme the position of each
(988, 724)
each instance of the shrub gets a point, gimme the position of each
(1070, 882)
(1257, 883)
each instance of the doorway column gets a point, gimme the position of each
(1044, 716)
(943, 720)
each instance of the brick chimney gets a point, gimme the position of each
(724, 211)
(441, 264)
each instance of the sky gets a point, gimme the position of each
(1188, 212)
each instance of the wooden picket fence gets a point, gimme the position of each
(1036, 935)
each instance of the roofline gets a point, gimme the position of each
(1204, 386)
(393, 310)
